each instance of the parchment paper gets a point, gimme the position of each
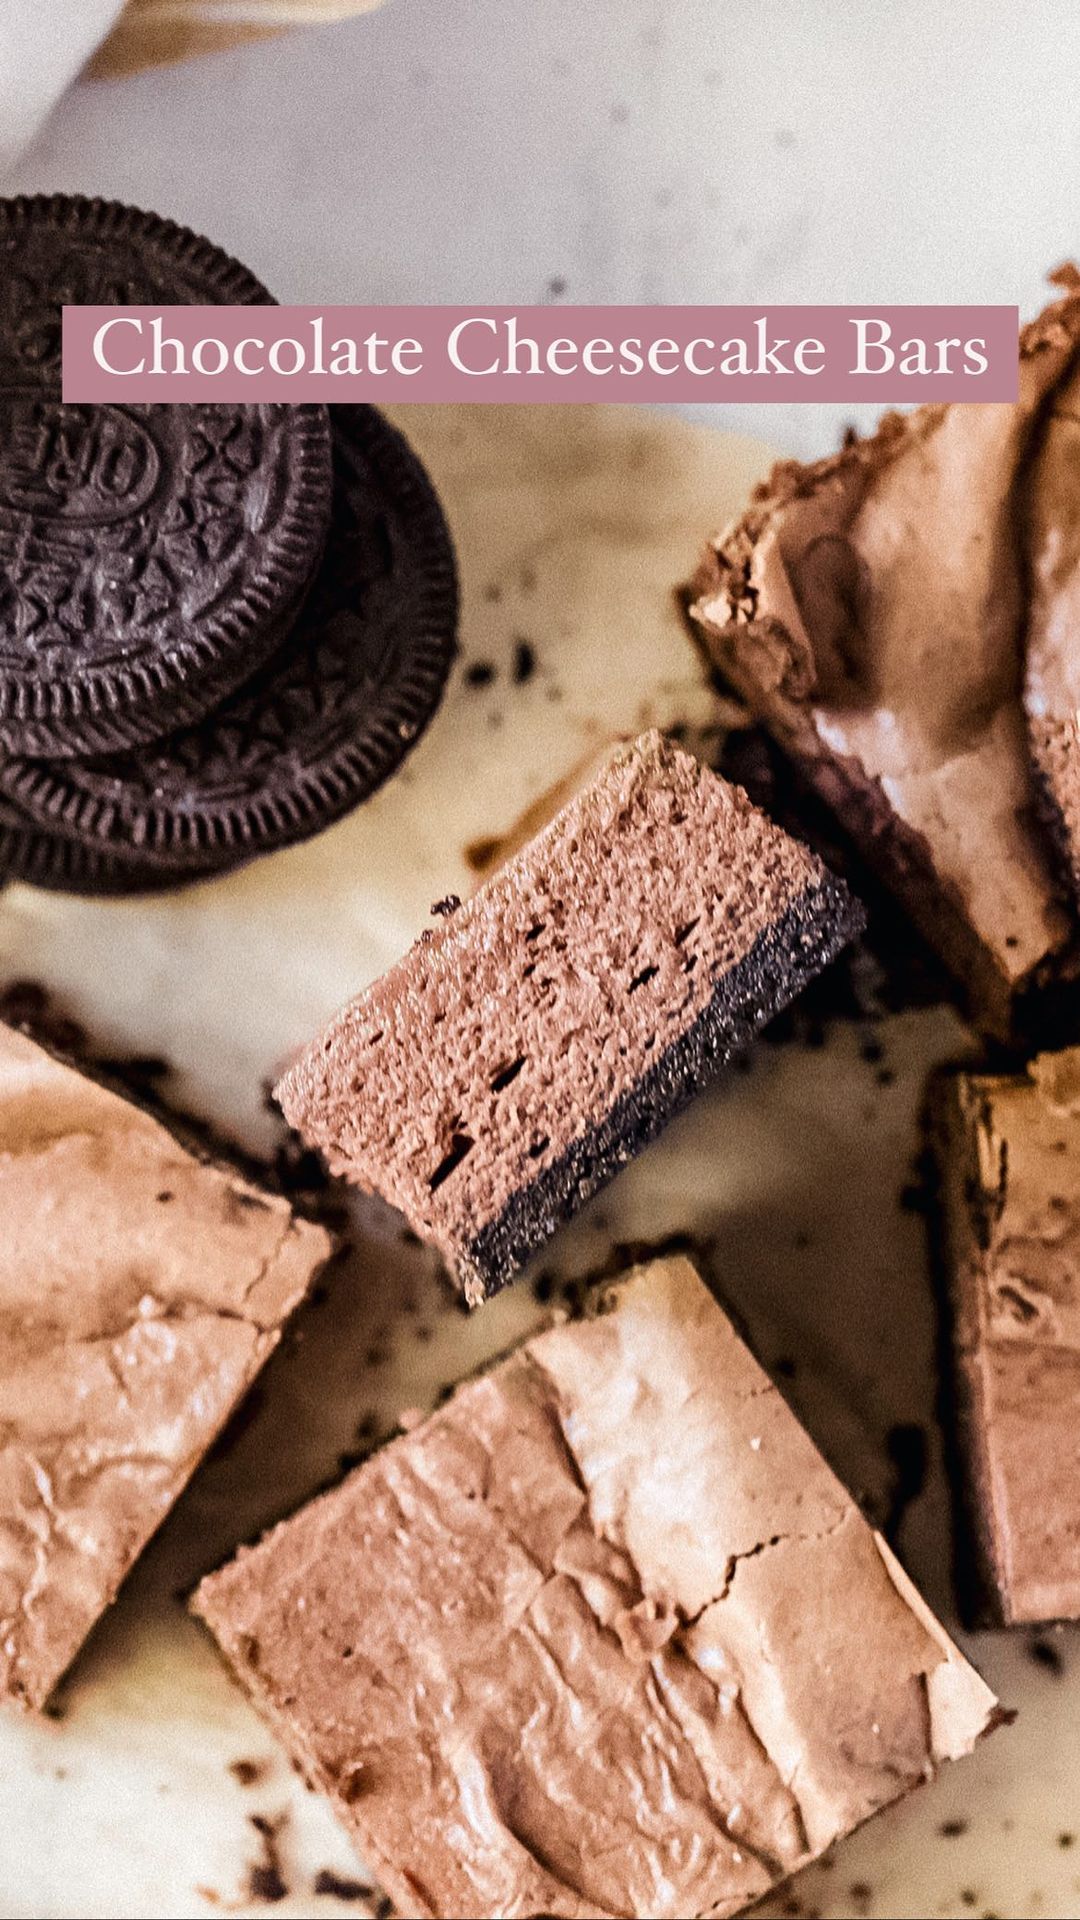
(156, 1790)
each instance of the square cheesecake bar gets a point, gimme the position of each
(539, 1037)
(141, 1289)
(1008, 1152)
(603, 1636)
(873, 610)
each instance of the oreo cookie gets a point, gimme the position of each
(64, 866)
(150, 557)
(317, 730)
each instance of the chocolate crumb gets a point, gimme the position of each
(952, 1829)
(479, 673)
(1045, 1654)
(480, 853)
(248, 1773)
(1066, 1840)
(556, 287)
(338, 1887)
(913, 1197)
(266, 1880)
(442, 909)
(524, 662)
(266, 1883)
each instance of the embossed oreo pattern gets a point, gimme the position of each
(61, 865)
(323, 724)
(148, 555)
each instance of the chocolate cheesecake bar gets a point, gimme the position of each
(603, 1636)
(1008, 1149)
(871, 611)
(141, 1289)
(538, 1038)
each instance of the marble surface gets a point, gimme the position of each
(791, 1178)
(632, 150)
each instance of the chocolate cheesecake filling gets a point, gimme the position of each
(782, 961)
(534, 1682)
(1008, 1147)
(537, 1038)
(872, 610)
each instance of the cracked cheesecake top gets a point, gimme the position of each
(604, 1636)
(141, 1288)
(874, 609)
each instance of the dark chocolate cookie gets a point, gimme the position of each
(148, 555)
(50, 860)
(322, 725)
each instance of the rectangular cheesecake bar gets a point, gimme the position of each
(603, 1636)
(141, 1289)
(1008, 1151)
(539, 1037)
(870, 609)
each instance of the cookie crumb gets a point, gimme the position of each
(248, 1773)
(338, 1887)
(524, 661)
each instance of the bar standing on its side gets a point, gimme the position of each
(546, 1031)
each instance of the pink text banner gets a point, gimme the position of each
(887, 355)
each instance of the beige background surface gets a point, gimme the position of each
(572, 527)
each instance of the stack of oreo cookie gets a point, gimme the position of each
(221, 627)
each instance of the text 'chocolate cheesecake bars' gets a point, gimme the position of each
(1008, 1153)
(901, 617)
(531, 1044)
(141, 1290)
(603, 1636)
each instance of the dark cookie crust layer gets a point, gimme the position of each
(783, 960)
(323, 724)
(147, 554)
